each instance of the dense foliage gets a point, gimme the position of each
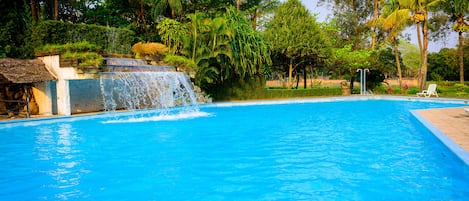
(443, 65)
(216, 49)
(112, 40)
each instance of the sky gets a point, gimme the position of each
(323, 12)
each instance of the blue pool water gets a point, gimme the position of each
(346, 150)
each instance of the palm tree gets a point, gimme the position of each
(195, 24)
(394, 20)
(219, 38)
(457, 9)
(374, 22)
(418, 10)
(211, 48)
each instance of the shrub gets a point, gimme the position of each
(181, 62)
(85, 52)
(83, 46)
(149, 49)
(86, 58)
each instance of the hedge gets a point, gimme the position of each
(302, 93)
(252, 89)
(112, 40)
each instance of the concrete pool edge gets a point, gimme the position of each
(338, 98)
(448, 142)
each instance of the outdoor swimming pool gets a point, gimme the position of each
(326, 150)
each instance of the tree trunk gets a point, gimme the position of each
(56, 9)
(356, 40)
(34, 11)
(238, 4)
(304, 77)
(375, 18)
(461, 58)
(398, 63)
(254, 19)
(142, 15)
(424, 51)
(195, 36)
(352, 79)
(290, 72)
(297, 79)
(420, 75)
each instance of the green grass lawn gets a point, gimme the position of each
(444, 89)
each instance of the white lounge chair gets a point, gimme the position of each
(429, 92)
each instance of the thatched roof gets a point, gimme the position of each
(23, 71)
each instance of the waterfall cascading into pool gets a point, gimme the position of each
(147, 89)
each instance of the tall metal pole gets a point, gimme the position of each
(361, 80)
(360, 70)
(364, 79)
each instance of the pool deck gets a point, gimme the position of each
(453, 122)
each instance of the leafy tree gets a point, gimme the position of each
(130, 14)
(353, 18)
(14, 23)
(332, 32)
(295, 34)
(102, 14)
(65, 10)
(208, 6)
(384, 61)
(347, 61)
(410, 58)
(443, 65)
(160, 7)
(256, 9)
